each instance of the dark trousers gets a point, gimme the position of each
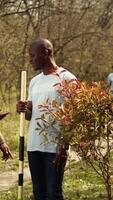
(47, 181)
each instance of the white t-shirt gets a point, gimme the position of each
(110, 81)
(41, 89)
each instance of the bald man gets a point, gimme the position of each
(47, 174)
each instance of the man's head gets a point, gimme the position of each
(40, 53)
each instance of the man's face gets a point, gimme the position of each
(36, 59)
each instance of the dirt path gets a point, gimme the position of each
(9, 179)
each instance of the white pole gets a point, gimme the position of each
(21, 142)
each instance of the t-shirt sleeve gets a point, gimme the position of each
(66, 75)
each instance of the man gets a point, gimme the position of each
(110, 82)
(46, 175)
(3, 146)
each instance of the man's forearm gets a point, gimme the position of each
(28, 114)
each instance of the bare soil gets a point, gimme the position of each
(9, 178)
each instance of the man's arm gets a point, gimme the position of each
(28, 114)
(61, 155)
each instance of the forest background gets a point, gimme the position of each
(80, 30)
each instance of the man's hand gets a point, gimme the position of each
(61, 156)
(23, 106)
(6, 152)
(26, 107)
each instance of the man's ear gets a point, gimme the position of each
(47, 52)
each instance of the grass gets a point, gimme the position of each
(80, 183)
(83, 184)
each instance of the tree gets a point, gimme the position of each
(81, 32)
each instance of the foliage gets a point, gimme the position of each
(85, 119)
